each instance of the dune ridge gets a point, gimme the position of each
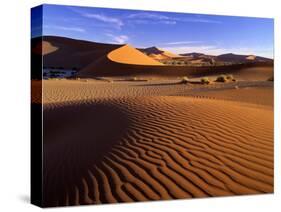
(161, 147)
(129, 55)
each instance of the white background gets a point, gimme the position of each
(15, 102)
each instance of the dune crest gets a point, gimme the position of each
(129, 55)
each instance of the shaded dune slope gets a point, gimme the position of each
(138, 149)
(255, 73)
(106, 67)
(71, 53)
(246, 95)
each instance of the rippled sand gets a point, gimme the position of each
(137, 141)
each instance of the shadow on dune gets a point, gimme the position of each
(76, 137)
(69, 53)
(108, 68)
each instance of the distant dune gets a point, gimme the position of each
(158, 54)
(194, 55)
(230, 57)
(242, 58)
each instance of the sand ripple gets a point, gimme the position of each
(151, 148)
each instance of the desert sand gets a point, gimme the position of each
(126, 129)
(126, 141)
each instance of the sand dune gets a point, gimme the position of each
(241, 58)
(246, 95)
(70, 53)
(98, 59)
(129, 55)
(254, 73)
(126, 142)
(158, 54)
(105, 67)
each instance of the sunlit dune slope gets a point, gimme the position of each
(129, 55)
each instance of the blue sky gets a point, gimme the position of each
(176, 32)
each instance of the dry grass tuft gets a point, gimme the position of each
(205, 80)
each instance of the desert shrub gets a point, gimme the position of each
(205, 80)
(271, 79)
(221, 78)
(56, 72)
(184, 80)
(229, 77)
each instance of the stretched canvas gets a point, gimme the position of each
(132, 105)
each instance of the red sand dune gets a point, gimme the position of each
(70, 53)
(92, 60)
(106, 67)
(122, 142)
(129, 55)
